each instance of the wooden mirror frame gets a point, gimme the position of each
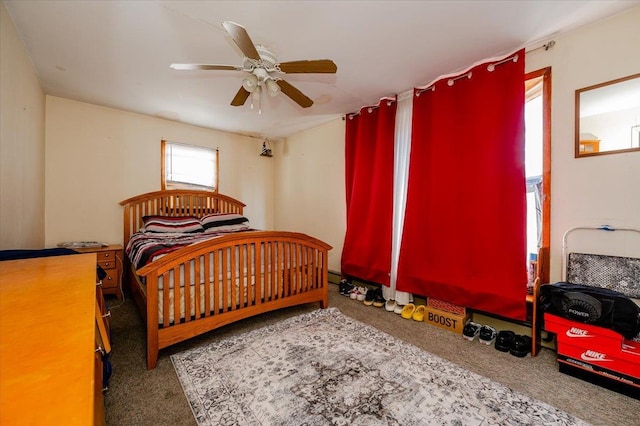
(578, 153)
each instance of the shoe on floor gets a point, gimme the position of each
(504, 340)
(390, 305)
(487, 335)
(370, 296)
(361, 294)
(398, 309)
(378, 300)
(345, 288)
(520, 346)
(471, 330)
(408, 311)
(353, 294)
(418, 315)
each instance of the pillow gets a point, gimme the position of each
(224, 222)
(172, 224)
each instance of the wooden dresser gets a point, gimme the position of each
(50, 371)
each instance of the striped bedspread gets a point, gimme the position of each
(145, 247)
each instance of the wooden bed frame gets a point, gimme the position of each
(266, 270)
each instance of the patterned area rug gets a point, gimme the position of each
(325, 368)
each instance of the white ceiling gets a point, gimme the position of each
(117, 53)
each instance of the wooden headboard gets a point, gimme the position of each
(175, 203)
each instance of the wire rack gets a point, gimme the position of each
(617, 273)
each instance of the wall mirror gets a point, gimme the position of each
(608, 117)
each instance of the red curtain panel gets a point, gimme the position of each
(369, 139)
(464, 238)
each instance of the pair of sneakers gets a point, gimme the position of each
(485, 333)
(374, 297)
(516, 344)
(345, 288)
(354, 292)
(358, 293)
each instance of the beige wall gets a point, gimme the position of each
(585, 192)
(309, 183)
(591, 191)
(22, 115)
(97, 157)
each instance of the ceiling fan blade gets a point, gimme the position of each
(193, 67)
(242, 39)
(297, 96)
(241, 97)
(326, 66)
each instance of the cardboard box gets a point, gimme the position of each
(597, 348)
(599, 370)
(446, 306)
(447, 320)
(601, 357)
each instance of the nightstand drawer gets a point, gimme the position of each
(106, 256)
(107, 264)
(112, 279)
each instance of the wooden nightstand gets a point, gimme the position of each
(110, 259)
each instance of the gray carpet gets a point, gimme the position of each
(140, 397)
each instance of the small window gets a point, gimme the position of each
(188, 167)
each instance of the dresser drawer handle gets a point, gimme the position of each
(106, 255)
(106, 264)
(109, 277)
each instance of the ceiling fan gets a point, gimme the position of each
(264, 69)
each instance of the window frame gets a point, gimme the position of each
(543, 263)
(164, 185)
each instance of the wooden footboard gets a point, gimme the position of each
(219, 281)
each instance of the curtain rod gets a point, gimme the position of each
(545, 46)
(467, 74)
(370, 108)
(491, 67)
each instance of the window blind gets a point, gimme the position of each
(190, 165)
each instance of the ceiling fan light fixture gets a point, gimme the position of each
(250, 83)
(272, 87)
